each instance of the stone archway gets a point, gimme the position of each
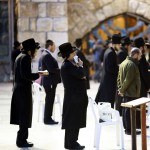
(84, 15)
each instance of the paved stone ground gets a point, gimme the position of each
(47, 137)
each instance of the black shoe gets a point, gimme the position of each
(26, 144)
(76, 147)
(140, 127)
(50, 122)
(129, 132)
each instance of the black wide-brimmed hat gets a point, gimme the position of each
(16, 44)
(125, 40)
(139, 42)
(116, 39)
(65, 49)
(78, 42)
(30, 44)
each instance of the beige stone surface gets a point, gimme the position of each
(44, 0)
(133, 5)
(147, 13)
(38, 36)
(58, 37)
(42, 10)
(105, 2)
(33, 24)
(23, 24)
(142, 8)
(44, 24)
(100, 15)
(28, 9)
(60, 24)
(56, 9)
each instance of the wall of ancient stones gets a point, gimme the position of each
(84, 15)
(42, 20)
(63, 20)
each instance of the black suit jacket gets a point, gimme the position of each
(48, 62)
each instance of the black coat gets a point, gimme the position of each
(21, 104)
(48, 62)
(107, 88)
(75, 96)
(86, 65)
(144, 76)
(122, 54)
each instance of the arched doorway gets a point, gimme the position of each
(127, 24)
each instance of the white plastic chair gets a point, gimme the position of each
(39, 95)
(115, 120)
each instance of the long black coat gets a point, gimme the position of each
(21, 104)
(75, 96)
(86, 65)
(107, 88)
(144, 76)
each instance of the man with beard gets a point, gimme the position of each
(21, 104)
(107, 88)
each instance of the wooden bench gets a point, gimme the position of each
(132, 105)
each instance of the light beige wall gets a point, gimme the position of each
(84, 15)
(42, 20)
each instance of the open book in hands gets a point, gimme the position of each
(44, 72)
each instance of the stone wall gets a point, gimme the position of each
(42, 20)
(84, 15)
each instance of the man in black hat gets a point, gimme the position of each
(86, 63)
(21, 104)
(107, 88)
(75, 96)
(143, 67)
(121, 56)
(49, 63)
(16, 51)
(144, 75)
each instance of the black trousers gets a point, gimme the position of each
(71, 137)
(118, 102)
(22, 135)
(49, 101)
(126, 115)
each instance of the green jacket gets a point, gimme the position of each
(128, 80)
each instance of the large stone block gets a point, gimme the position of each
(33, 26)
(147, 13)
(45, 0)
(38, 36)
(133, 5)
(56, 9)
(105, 2)
(60, 24)
(42, 10)
(100, 15)
(44, 24)
(58, 37)
(142, 8)
(23, 24)
(28, 9)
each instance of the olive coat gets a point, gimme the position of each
(75, 96)
(21, 103)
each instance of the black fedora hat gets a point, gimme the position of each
(139, 42)
(116, 39)
(125, 40)
(65, 49)
(30, 44)
(16, 44)
(78, 42)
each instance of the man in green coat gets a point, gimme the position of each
(129, 84)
